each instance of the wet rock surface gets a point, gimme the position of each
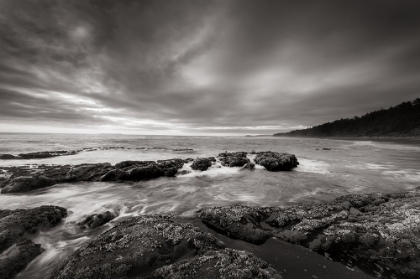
(96, 220)
(274, 161)
(27, 179)
(39, 155)
(382, 229)
(233, 159)
(16, 249)
(202, 163)
(158, 247)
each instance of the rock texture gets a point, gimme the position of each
(96, 220)
(152, 247)
(234, 159)
(274, 161)
(202, 163)
(38, 155)
(27, 179)
(382, 229)
(17, 250)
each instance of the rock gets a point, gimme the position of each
(326, 148)
(39, 155)
(274, 161)
(234, 159)
(184, 172)
(202, 163)
(225, 263)
(96, 220)
(156, 246)
(377, 228)
(17, 250)
(136, 247)
(7, 157)
(249, 166)
(24, 180)
(27, 183)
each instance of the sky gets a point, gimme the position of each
(228, 67)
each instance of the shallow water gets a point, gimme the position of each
(350, 166)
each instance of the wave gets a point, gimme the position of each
(313, 166)
(380, 145)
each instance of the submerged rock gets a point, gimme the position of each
(274, 161)
(96, 220)
(234, 159)
(17, 250)
(381, 229)
(44, 176)
(202, 163)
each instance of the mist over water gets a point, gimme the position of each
(349, 167)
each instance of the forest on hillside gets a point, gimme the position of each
(402, 120)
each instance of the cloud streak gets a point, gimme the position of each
(203, 67)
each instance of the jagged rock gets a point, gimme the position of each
(249, 166)
(274, 161)
(234, 159)
(202, 163)
(16, 250)
(96, 220)
(377, 228)
(225, 263)
(158, 247)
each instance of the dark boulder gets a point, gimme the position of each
(96, 220)
(202, 163)
(15, 248)
(234, 159)
(274, 161)
(7, 157)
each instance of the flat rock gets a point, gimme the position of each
(381, 229)
(274, 161)
(25, 179)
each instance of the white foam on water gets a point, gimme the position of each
(215, 170)
(381, 145)
(313, 166)
(405, 175)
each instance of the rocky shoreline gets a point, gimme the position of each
(24, 179)
(375, 229)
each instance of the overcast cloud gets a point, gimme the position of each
(202, 67)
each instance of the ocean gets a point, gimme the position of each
(328, 168)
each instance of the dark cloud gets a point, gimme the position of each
(204, 66)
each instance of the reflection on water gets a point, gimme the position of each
(349, 167)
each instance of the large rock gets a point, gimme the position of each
(24, 179)
(274, 161)
(234, 159)
(381, 229)
(152, 247)
(202, 163)
(16, 249)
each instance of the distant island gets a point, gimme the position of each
(402, 120)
